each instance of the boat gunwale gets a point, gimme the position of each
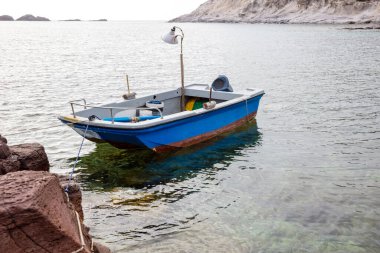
(159, 121)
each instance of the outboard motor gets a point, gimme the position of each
(222, 84)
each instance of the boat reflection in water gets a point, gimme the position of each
(108, 167)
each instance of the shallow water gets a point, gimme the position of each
(303, 178)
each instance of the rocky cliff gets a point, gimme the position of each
(286, 11)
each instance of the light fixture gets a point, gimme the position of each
(172, 38)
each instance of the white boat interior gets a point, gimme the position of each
(108, 113)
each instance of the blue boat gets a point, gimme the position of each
(168, 120)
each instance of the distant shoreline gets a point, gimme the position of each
(290, 12)
(32, 18)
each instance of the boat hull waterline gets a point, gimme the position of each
(176, 134)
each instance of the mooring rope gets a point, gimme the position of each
(83, 244)
(76, 160)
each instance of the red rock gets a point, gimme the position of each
(99, 248)
(74, 193)
(4, 150)
(75, 196)
(32, 156)
(11, 164)
(3, 139)
(35, 215)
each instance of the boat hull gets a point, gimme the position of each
(177, 134)
(205, 136)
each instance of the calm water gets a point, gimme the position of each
(304, 178)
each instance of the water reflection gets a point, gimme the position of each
(107, 167)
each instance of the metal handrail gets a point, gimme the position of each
(85, 105)
(72, 102)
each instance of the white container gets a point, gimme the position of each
(209, 105)
(154, 105)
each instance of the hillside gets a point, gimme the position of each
(286, 11)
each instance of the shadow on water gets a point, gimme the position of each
(108, 167)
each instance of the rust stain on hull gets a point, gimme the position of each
(206, 136)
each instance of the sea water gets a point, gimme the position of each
(303, 178)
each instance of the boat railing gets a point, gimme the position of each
(73, 101)
(111, 108)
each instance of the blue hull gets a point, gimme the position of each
(176, 134)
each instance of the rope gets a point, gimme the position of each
(83, 244)
(76, 160)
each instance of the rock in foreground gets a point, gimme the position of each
(6, 18)
(75, 194)
(32, 156)
(286, 11)
(3, 139)
(5, 152)
(35, 216)
(35, 213)
(22, 157)
(29, 17)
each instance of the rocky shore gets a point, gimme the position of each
(286, 11)
(27, 17)
(6, 18)
(36, 215)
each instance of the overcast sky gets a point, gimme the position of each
(95, 9)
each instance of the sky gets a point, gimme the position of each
(96, 9)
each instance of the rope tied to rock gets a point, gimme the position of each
(76, 160)
(83, 244)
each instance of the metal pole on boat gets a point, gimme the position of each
(182, 80)
(171, 38)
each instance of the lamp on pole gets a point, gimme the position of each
(172, 38)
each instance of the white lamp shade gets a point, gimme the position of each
(170, 38)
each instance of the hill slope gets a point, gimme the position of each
(286, 11)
